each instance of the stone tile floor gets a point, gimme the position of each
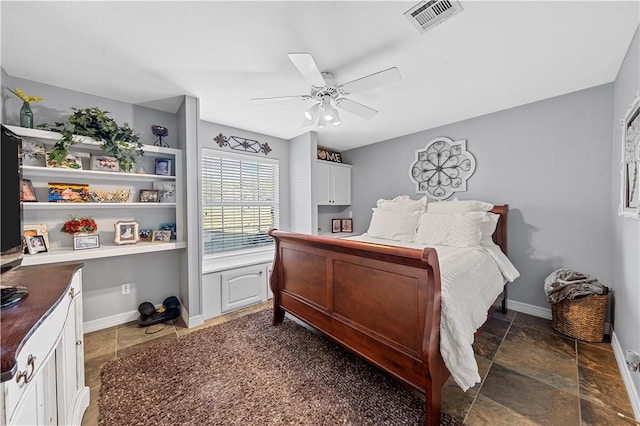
(531, 374)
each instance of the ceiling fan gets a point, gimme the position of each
(329, 95)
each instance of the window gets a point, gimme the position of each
(240, 201)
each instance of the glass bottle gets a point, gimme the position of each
(26, 115)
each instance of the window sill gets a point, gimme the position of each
(233, 260)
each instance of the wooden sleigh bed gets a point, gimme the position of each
(381, 302)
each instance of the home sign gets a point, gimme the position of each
(325, 154)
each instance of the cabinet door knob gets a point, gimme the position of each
(78, 342)
(72, 293)
(259, 272)
(31, 361)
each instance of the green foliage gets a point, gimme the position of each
(119, 141)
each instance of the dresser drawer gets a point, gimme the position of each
(36, 353)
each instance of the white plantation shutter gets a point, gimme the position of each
(240, 201)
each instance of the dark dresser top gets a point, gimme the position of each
(47, 285)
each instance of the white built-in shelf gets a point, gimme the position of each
(75, 206)
(104, 251)
(59, 172)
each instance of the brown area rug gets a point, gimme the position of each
(246, 372)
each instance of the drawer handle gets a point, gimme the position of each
(259, 272)
(31, 361)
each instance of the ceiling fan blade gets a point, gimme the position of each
(356, 108)
(280, 99)
(308, 68)
(369, 82)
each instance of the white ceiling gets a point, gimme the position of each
(489, 57)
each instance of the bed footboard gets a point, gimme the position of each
(381, 302)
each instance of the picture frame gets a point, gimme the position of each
(70, 162)
(336, 225)
(167, 191)
(149, 195)
(168, 227)
(126, 232)
(630, 163)
(68, 192)
(104, 163)
(31, 230)
(145, 235)
(32, 153)
(163, 166)
(161, 236)
(84, 242)
(346, 225)
(36, 244)
(28, 194)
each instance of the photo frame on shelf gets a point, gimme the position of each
(630, 164)
(104, 163)
(71, 161)
(163, 166)
(68, 192)
(83, 242)
(336, 225)
(346, 225)
(144, 235)
(167, 191)
(169, 227)
(32, 153)
(149, 195)
(161, 236)
(126, 232)
(35, 244)
(28, 194)
(32, 230)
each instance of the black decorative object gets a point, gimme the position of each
(242, 144)
(160, 132)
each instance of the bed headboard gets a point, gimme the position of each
(500, 235)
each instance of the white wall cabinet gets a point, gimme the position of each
(149, 215)
(333, 184)
(49, 386)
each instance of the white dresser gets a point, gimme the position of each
(43, 349)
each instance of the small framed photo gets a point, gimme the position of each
(28, 193)
(104, 163)
(169, 227)
(68, 192)
(32, 230)
(126, 232)
(86, 242)
(163, 166)
(144, 235)
(33, 153)
(70, 162)
(161, 236)
(167, 191)
(35, 244)
(336, 225)
(148, 195)
(346, 225)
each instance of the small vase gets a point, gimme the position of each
(26, 115)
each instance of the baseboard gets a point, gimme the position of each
(126, 317)
(110, 321)
(525, 308)
(626, 375)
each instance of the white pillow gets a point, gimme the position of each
(403, 203)
(488, 228)
(455, 230)
(393, 225)
(459, 207)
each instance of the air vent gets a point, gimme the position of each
(428, 14)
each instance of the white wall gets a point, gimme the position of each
(549, 160)
(626, 231)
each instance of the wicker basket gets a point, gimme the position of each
(581, 318)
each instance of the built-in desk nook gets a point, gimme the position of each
(42, 347)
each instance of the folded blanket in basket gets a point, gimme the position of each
(568, 284)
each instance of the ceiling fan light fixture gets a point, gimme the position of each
(311, 115)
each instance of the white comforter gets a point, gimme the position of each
(471, 279)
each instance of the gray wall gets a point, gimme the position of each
(626, 231)
(549, 160)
